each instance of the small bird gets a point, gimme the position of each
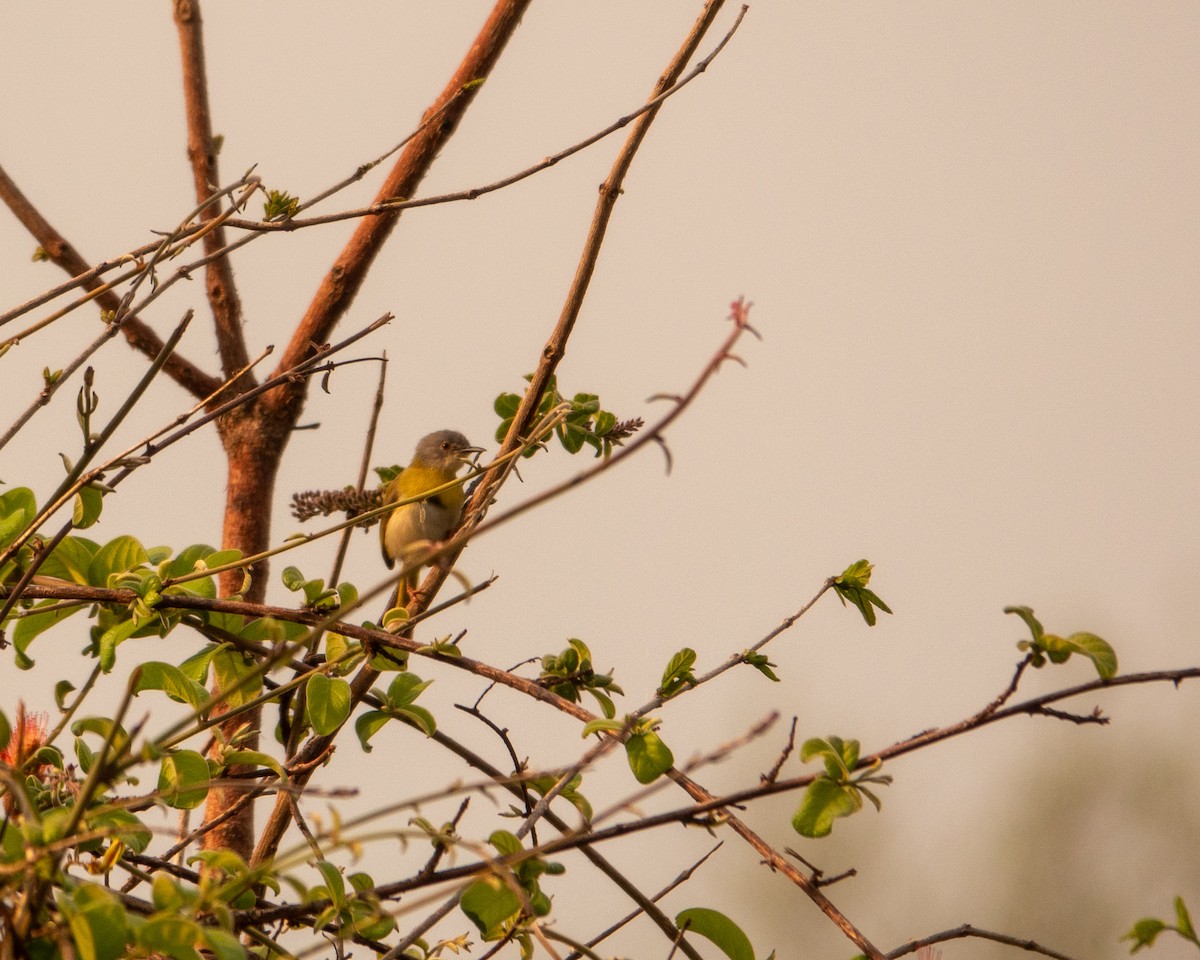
(408, 530)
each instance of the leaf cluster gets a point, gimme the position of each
(499, 903)
(584, 422)
(851, 587)
(121, 564)
(840, 790)
(1043, 647)
(649, 757)
(1148, 929)
(570, 673)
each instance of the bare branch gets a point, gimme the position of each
(60, 251)
(967, 930)
(222, 292)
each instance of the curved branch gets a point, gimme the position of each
(968, 930)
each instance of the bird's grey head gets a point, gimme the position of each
(445, 449)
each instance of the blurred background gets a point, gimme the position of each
(970, 232)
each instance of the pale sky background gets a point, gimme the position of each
(971, 233)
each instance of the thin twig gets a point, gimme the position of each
(967, 930)
(788, 747)
(340, 285)
(682, 878)
(401, 203)
(136, 331)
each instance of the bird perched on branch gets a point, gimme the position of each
(410, 530)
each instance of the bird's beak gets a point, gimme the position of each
(469, 454)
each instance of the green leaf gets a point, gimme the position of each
(5, 729)
(84, 754)
(166, 894)
(1026, 614)
(62, 690)
(292, 578)
(195, 667)
(570, 792)
(368, 920)
(270, 631)
(1102, 655)
(505, 843)
(572, 438)
(179, 773)
(367, 725)
(171, 934)
(103, 726)
(491, 905)
(224, 944)
(97, 922)
(506, 405)
(726, 935)
(1183, 920)
(173, 682)
(1144, 933)
(347, 594)
(88, 503)
(218, 558)
(17, 510)
(760, 663)
(394, 615)
(230, 669)
(111, 639)
(678, 674)
(335, 883)
(343, 653)
(255, 758)
(405, 689)
(226, 862)
(418, 717)
(188, 560)
(649, 758)
(328, 703)
(116, 556)
(840, 756)
(33, 624)
(71, 559)
(824, 801)
(607, 725)
(123, 825)
(607, 707)
(1056, 649)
